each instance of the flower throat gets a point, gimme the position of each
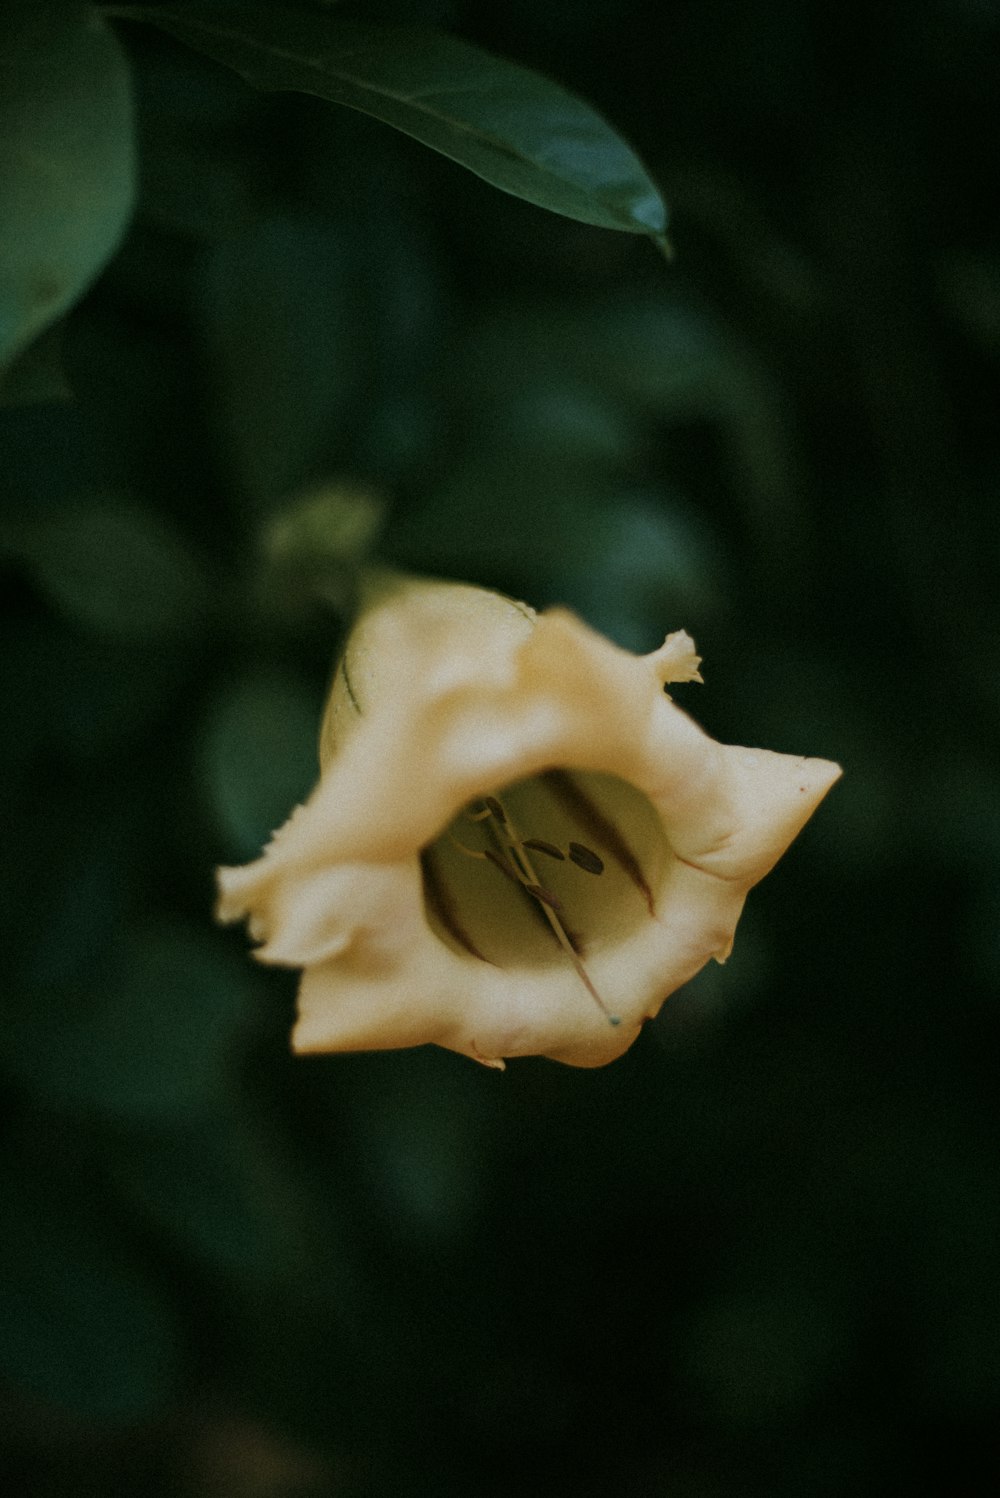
(517, 861)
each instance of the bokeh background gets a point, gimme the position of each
(758, 1256)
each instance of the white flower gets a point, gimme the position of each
(519, 845)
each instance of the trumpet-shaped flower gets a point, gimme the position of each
(519, 845)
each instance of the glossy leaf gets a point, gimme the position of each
(66, 160)
(516, 129)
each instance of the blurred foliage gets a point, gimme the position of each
(66, 160)
(760, 1254)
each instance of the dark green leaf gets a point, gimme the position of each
(63, 882)
(287, 348)
(84, 1328)
(112, 567)
(259, 757)
(66, 160)
(148, 1033)
(220, 1190)
(662, 358)
(37, 375)
(72, 695)
(519, 131)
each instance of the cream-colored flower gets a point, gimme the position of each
(519, 845)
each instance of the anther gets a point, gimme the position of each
(514, 863)
(546, 896)
(585, 858)
(537, 845)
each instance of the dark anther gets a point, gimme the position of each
(537, 845)
(546, 896)
(493, 805)
(586, 858)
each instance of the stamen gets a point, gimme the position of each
(521, 860)
(601, 828)
(505, 866)
(546, 896)
(511, 871)
(469, 852)
(491, 808)
(513, 862)
(537, 845)
(586, 858)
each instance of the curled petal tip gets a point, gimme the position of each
(234, 901)
(774, 796)
(493, 1063)
(676, 660)
(817, 778)
(292, 949)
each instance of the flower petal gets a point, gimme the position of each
(410, 933)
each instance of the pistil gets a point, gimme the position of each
(514, 860)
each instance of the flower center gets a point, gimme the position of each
(548, 870)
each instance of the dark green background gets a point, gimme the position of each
(757, 1257)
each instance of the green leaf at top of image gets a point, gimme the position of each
(517, 130)
(67, 175)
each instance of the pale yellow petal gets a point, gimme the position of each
(553, 921)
